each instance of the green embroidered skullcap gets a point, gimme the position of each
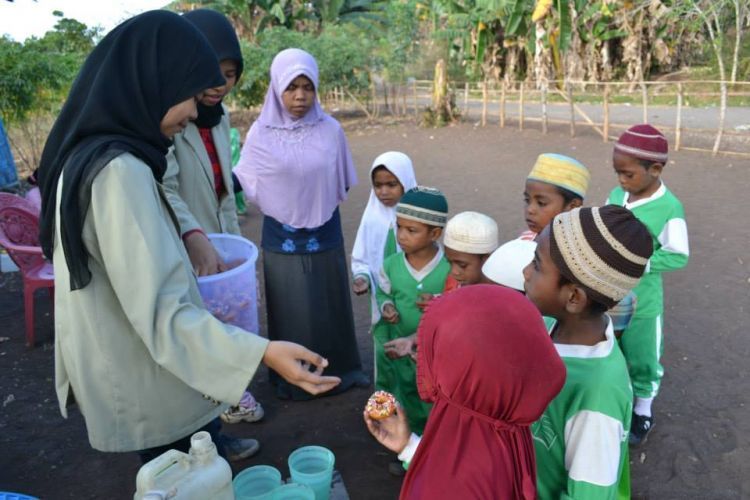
(424, 204)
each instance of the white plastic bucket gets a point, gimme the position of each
(232, 296)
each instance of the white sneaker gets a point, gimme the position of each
(236, 414)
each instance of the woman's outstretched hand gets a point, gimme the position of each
(392, 432)
(293, 363)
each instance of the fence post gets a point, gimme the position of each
(678, 122)
(544, 107)
(466, 98)
(605, 104)
(644, 97)
(520, 107)
(569, 88)
(484, 102)
(416, 102)
(404, 107)
(502, 105)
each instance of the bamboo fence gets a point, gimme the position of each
(413, 97)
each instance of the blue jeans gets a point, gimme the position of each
(183, 445)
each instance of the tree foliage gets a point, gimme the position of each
(36, 75)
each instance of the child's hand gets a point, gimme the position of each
(399, 348)
(392, 432)
(423, 299)
(390, 314)
(203, 256)
(293, 362)
(360, 286)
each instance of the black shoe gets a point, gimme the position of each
(639, 429)
(396, 469)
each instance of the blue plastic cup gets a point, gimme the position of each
(313, 466)
(293, 491)
(256, 483)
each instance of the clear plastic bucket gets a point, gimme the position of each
(293, 491)
(232, 296)
(313, 466)
(256, 483)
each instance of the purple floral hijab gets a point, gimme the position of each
(295, 170)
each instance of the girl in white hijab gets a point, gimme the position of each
(392, 174)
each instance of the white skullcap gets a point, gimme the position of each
(471, 232)
(505, 265)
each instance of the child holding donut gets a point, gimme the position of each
(419, 267)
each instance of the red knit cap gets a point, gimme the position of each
(643, 142)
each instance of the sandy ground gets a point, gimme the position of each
(700, 447)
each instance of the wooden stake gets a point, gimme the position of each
(644, 97)
(605, 104)
(678, 121)
(520, 107)
(544, 108)
(484, 103)
(502, 105)
(572, 109)
(404, 107)
(466, 98)
(416, 102)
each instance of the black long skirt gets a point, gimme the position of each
(308, 302)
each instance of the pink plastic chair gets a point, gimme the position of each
(19, 235)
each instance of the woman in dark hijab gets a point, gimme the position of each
(134, 346)
(198, 182)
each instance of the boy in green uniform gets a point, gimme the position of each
(419, 268)
(639, 158)
(586, 261)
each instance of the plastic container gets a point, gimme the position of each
(232, 296)
(7, 495)
(313, 466)
(256, 483)
(293, 491)
(197, 475)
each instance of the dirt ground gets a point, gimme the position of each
(700, 447)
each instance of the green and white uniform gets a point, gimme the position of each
(383, 368)
(642, 341)
(400, 284)
(581, 439)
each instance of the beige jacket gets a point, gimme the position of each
(135, 347)
(189, 181)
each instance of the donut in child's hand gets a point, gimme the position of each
(381, 405)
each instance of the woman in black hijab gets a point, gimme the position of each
(198, 182)
(134, 346)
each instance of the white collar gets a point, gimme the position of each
(599, 350)
(426, 270)
(658, 194)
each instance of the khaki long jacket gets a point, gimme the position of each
(136, 348)
(189, 181)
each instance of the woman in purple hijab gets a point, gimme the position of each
(296, 167)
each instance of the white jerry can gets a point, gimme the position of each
(198, 475)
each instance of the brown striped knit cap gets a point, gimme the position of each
(605, 250)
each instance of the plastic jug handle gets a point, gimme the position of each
(144, 481)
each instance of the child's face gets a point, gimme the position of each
(633, 176)
(466, 268)
(177, 117)
(299, 96)
(214, 96)
(543, 201)
(414, 236)
(542, 279)
(387, 187)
